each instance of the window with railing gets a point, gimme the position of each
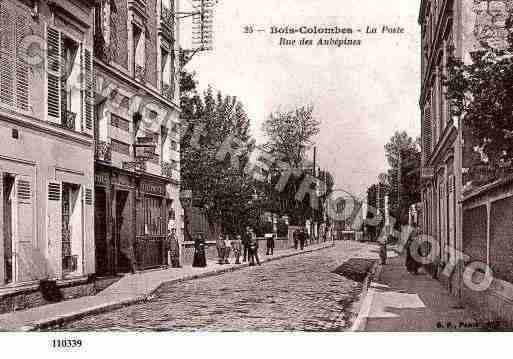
(167, 80)
(71, 226)
(119, 122)
(138, 52)
(102, 29)
(120, 147)
(71, 95)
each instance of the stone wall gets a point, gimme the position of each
(491, 204)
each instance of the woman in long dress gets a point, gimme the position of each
(199, 252)
(411, 264)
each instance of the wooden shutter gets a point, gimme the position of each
(427, 134)
(22, 68)
(54, 227)
(86, 61)
(7, 55)
(89, 247)
(54, 71)
(30, 264)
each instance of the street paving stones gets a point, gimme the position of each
(301, 293)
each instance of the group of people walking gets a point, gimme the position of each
(300, 237)
(245, 245)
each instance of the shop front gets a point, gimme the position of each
(114, 221)
(154, 210)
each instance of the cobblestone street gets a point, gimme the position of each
(297, 293)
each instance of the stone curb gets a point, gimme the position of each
(141, 298)
(366, 299)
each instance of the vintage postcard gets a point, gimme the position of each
(255, 166)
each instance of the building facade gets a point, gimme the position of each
(47, 144)
(136, 132)
(450, 28)
(441, 35)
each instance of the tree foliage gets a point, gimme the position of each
(403, 177)
(222, 190)
(289, 135)
(480, 92)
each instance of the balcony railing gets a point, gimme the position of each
(137, 166)
(68, 120)
(167, 20)
(140, 73)
(167, 169)
(102, 151)
(155, 159)
(168, 17)
(167, 92)
(101, 50)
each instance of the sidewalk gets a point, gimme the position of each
(130, 289)
(399, 301)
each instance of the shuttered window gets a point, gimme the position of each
(14, 72)
(54, 56)
(54, 191)
(63, 82)
(427, 134)
(88, 196)
(88, 95)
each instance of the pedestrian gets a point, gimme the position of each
(236, 248)
(174, 249)
(269, 244)
(295, 237)
(253, 249)
(302, 238)
(411, 264)
(245, 244)
(199, 259)
(227, 249)
(220, 246)
(383, 249)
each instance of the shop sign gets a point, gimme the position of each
(145, 147)
(153, 188)
(101, 178)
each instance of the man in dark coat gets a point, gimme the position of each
(295, 237)
(253, 249)
(245, 244)
(269, 243)
(302, 238)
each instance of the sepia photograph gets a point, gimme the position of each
(286, 168)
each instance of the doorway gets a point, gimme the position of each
(123, 234)
(100, 232)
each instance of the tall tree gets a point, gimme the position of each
(222, 190)
(403, 156)
(289, 135)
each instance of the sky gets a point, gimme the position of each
(361, 94)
